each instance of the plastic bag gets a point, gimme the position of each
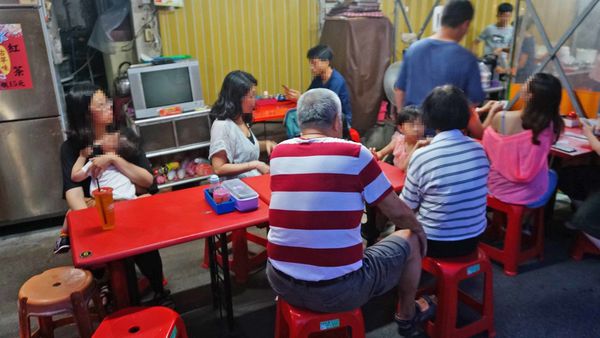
(108, 21)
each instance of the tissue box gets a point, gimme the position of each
(245, 198)
(571, 123)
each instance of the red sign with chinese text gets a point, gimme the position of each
(14, 67)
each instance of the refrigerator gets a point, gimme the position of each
(30, 119)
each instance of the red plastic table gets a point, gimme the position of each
(152, 223)
(574, 138)
(261, 184)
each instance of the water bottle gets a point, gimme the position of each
(214, 183)
(486, 75)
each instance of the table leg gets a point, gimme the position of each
(212, 264)
(226, 280)
(118, 283)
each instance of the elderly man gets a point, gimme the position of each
(319, 185)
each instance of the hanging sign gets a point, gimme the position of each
(14, 67)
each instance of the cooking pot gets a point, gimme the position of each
(121, 83)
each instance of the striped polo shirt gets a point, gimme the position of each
(319, 189)
(447, 183)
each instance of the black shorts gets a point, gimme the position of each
(445, 249)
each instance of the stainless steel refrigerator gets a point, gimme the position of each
(30, 127)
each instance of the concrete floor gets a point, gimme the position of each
(558, 297)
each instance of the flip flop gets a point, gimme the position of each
(408, 328)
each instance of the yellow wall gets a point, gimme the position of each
(269, 38)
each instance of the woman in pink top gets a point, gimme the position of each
(408, 137)
(518, 142)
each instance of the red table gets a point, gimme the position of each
(151, 223)
(272, 111)
(574, 138)
(261, 184)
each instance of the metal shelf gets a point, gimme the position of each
(183, 181)
(174, 150)
(162, 119)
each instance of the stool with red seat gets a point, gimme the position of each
(449, 272)
(294, 322)
(150, 322)
(582, 246)
(242, 260)
(513, 253)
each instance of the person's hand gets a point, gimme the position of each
(497, 107)
(100, 163)
(498, 51)
(422, 143)
(262, 167)
(588, 130)
(486, 107)
(375, 153)
(291, 94)
(422, 236)
(85, 152)
(269, 146)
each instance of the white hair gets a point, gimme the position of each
(318, 108)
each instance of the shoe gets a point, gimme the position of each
(163, 299)
(409, 328)
(63, 245)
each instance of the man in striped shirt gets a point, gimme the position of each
(319, 186)
(446, 181)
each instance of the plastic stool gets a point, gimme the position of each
(242, 261)
(62, 290)
(148, 322)
(582, 246)
(294, 322)
(512, 254)
(449, 273)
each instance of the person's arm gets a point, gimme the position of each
(403, 217)
(77, 172)
(493, 110)
(138, 175)
(404, 163)
(222, 167)
(266, 146)
(384, 151)
(588, 131)
(291, 94)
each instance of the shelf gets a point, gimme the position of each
(183, 181)
(161, 119)
(174, 150)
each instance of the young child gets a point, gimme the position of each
(409, 136)
(123, 188)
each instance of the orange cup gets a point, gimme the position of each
(106, 207)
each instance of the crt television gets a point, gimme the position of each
(172, 85)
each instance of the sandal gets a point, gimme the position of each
(408, 328)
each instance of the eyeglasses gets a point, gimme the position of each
(107, 105)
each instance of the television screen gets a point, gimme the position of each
(166, 87)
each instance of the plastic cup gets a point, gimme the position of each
(106, 207)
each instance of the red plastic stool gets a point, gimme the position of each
(512, 254)
(148, 322)
(293, 322)
(582, 246)
(242, 261)
(449, 272)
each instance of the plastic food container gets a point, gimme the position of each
(245, 198)
(219, 208)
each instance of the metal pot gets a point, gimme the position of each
(121, 83)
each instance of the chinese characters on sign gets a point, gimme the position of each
(14, 67)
